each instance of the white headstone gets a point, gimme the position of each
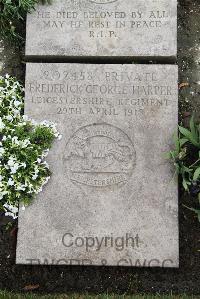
(112, 199)
(103, 28)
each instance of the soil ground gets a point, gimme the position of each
(63, 279)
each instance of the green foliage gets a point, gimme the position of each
(23, 146)
(186, 159)
(12, 17)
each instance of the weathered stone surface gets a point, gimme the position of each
(91, 28)
(112, 198)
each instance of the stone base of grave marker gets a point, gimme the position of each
(141, 29)
(112, 199)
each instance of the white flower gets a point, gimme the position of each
(23, 164)
(45, 153)
(9, 117)
(25, 117)
(14, 168)
(21, 187)
(10, 182)
(2, 126)
(46, 123)
(2, 194)
(25, 143)
(45, 164)
(15, 140)
(10, 214)
(23, 208)
(16, 112)
(11, 210)
(17, 103)
(39, 190)
(46, 180)
(11, 162)
(12, 145)
(2, 151)
(34, 177)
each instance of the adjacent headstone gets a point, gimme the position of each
(103, 28)
(112, 199)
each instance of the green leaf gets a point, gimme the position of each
(174, 154)
(185, 185)
(199, 197)
(186, 169)
(199, 131)
(196, 174)
(193, 129)
(185, 132)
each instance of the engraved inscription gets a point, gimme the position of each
(103, 24)
(119, 94)
(104, 28)
(100, 155)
